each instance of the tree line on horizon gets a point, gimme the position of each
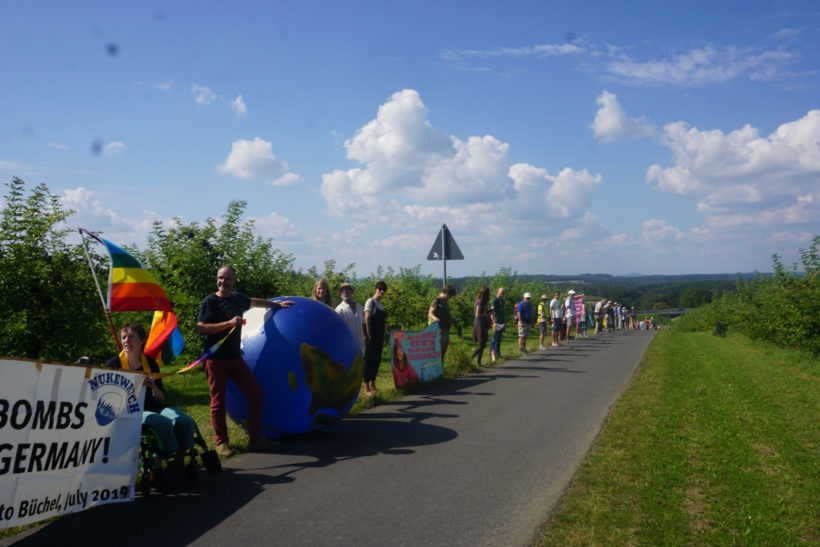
(54, 311)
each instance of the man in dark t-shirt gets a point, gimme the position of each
(218, 313)
(440, 311)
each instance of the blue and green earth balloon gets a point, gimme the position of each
(307, 361)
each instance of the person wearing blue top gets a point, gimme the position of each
(523, 315)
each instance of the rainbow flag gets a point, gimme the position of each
(133, 288)
(164, 340)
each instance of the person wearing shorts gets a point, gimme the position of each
(523, 314)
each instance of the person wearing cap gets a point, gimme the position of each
(571, 313)
(523, 315)
(440, 311)
(557, 318)
(351, 312)
(543, 316)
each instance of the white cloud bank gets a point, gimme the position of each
(743, 179)
(699, 65)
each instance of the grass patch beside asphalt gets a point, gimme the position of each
(714, 442)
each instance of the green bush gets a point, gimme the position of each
(783, 308)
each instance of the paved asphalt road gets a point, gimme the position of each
(480, 460)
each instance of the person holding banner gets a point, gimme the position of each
(174, 428)
(375, 325)
(220, 319)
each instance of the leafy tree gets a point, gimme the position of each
(52, 309)
(783, 308)
(408, 297)
(186, 257)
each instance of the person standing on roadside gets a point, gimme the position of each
(481, 322)
(499, 321)
(523, 316)
(557, 316)
(543, 320)
(569, 315)
(440, 311)
(321, 292)
(218, 314)
(375, 325)
(599, 316)
(351, 312)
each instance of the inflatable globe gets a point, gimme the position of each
(307, 361)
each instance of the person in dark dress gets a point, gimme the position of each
(375, 325)
(481, 322)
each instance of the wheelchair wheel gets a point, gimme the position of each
(192, 472)
(145, 484)
(211, 462)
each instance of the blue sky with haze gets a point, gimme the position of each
(551, 137)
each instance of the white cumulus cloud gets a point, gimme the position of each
(238, 106)
(611, 122)
(413, 176)
(404, 156)
(252, 159)
(702, 65)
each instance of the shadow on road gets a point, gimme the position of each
(394, 429)
(157, 519)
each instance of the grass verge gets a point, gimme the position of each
(714, 442)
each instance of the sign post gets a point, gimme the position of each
(444, 249)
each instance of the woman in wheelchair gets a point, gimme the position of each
(174, 428)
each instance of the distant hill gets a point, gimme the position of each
(607, 279)
(643, 291)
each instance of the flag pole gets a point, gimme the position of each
(99, 291)
(444, 254)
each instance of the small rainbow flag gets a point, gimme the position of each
(130, 286)
(133, 288)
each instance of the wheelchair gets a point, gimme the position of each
(155, 466)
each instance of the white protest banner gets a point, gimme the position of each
(69, 438)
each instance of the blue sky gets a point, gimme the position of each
(559, 138)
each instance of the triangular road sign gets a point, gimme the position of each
(445, 247)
